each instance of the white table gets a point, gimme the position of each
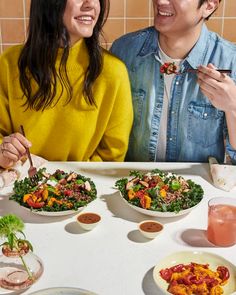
(114, 259)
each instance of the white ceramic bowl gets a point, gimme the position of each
(158, 213)
(201, 257)
(150, 228)
(88, 220)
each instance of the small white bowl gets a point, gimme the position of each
(150, 228)
(88, 220)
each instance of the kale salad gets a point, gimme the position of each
(160, 191)
(59, 191)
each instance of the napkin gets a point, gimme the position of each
(223, 176)
(19, 170)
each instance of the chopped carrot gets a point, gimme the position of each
(163, 193)
(26, 197)
(131, 194)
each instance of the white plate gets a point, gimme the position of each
(53, 214)
(158, 213)
(63, 291)
(186, 257)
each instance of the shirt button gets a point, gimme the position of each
(154, 133)
(205, 115)
(173, 112)
(170, 139)
(177, 83)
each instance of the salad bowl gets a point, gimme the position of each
(160, 213)
(159, 194)
(56, 194)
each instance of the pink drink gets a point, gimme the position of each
(221, 229)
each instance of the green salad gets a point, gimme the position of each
(160, 191)
(59, 191)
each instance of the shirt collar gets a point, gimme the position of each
(194, 58)
(197, 55)
(150, 45)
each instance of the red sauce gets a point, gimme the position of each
(88, 218)
(151, 226)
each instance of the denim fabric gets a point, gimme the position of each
(196, 129)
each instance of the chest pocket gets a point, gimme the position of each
(205, 124)
(138, 101)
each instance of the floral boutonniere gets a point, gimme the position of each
(168, 68)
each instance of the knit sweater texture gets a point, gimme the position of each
(74, 131)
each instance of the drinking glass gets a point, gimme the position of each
(221, 229)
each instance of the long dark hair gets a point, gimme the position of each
(46, 35)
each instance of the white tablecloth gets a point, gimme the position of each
(114, 259)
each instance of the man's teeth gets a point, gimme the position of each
(165, 13)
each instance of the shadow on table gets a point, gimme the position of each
(120, 209)
(137, 237)
(195, 238)
(148, 284)
(74, 228)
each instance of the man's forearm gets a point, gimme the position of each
(231, 125)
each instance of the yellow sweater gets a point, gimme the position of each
(75, 131)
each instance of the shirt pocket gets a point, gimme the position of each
(205, 124)
(138, 101)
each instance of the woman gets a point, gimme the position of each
(72, 97)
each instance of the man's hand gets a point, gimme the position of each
(218, 87)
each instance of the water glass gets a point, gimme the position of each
(221, 229)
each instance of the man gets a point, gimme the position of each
(188, 115)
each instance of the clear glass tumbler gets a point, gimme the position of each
(221, 229)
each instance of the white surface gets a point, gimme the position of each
(201, 257)
(114, 258)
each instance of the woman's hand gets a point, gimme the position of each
(12, 149)
(218, 87)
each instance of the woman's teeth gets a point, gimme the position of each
(85, 18)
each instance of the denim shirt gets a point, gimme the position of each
(195, 128)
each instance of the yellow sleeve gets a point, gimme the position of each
(114, 144)
(5, 120)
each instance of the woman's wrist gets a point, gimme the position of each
(4, 162)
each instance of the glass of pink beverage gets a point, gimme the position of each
(221, 229)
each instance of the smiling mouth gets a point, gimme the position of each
(165, 13)
(85, 18)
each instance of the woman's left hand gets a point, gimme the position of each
(218, 87)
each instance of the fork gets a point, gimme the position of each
(32, 171)
(196, 71)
